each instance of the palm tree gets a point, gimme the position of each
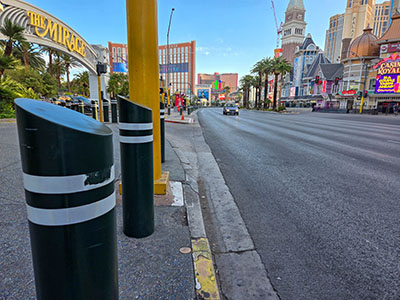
(256, 83)
(281, 67)
(227, 90)
(7, 63)
(266, 63)
(14, 33)
(28, 54)
(81, 83)
(69, 62)
(59, 67)
(245, 85)
(258, 69)
(50, 52)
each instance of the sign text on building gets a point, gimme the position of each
(45, 27)
(387, 84)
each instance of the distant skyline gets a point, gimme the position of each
(231, 35)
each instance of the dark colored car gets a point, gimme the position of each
(231, 109)
(87, 103)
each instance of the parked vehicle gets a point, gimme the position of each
(231, 108)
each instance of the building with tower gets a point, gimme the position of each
(359, 15)
(293, 30)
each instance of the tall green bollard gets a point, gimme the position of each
(114, 111)
(162, 124)
(136, 140)
(94, 110)
(106, 112)
(68, 171)
(81, 107)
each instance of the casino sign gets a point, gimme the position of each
(388, 75)
(46, 30)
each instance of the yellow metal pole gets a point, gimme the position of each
(362, 103)
(100, 100)
(144, 72)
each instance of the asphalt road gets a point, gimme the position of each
(319, 194)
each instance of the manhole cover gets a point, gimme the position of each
(185, 250)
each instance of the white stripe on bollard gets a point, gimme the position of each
(162, 117)
(71, 215)
(136, 139)
(135, 126)
(63, 184)
(162, 111)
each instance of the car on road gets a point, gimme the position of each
(231, 108)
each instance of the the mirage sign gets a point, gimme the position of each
(46, 30)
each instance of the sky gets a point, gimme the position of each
(231, 35)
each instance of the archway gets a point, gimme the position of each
(44, 29)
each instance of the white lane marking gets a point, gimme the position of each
(391, 141)
(62, 184)
(136, 139)
(177, 191)
(71, 215)
(135, 126)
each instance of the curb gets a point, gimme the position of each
(6, 121)
(179, 121)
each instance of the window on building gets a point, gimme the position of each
(372, 84)
(119, 55)
(386, 11)
(114, 51)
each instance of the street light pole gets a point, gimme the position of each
(167, 79)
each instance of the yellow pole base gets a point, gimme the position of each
(160, 185)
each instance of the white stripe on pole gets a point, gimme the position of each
(162, 117)
(71, 215)
(162, 111)
(136, 139)
(135, 126)
(62, 184)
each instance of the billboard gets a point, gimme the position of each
(120, 67)
(174, 68)
(387, 84)
(203, 94)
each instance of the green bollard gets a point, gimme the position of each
(94, 110)
(82, 107)
(136, 140)
(162, 132)
(114, 111)
(106, 113)
(68, 171)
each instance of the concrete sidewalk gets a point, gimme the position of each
(175, 117)
(149, 268)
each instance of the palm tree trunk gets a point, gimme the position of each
(280, 90)
(26, 59)
(265, 91)
(8, 50)
(275, 90)
(68, 83)
(50, 62)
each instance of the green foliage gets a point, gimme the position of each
(280, 108)
(29, 78)
(80, 84)
(118, 85)
(6, 103)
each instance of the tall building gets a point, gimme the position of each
(293, 29)
(358, 16)
(381, 18)
(395, 7)
(227, 79)
(182, 64)
(118, 57)
(333, 38)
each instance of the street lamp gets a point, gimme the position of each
(167, 79)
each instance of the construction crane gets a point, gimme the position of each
(278, 27)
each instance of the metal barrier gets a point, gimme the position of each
(68, 171)
(136, 142)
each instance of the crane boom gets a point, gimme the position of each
(278, 27)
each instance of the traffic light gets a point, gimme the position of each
(337, 80)
(359, 95)
(365, 94)
(317, 81)
(161, 91)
